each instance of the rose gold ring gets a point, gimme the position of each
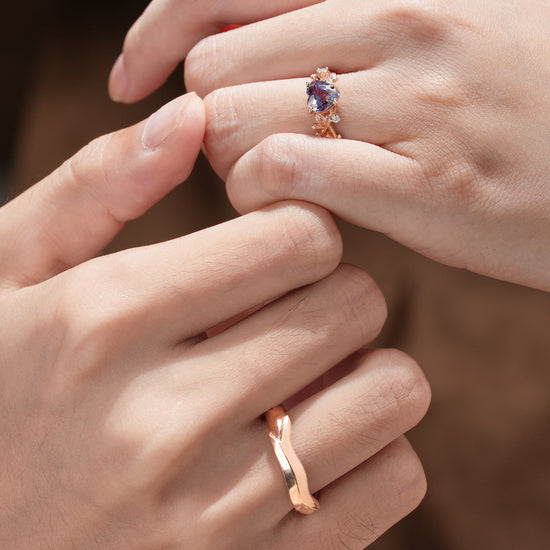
(322, 100)
(295, 475)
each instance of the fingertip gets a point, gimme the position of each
(327, 227)
(118, 81)
(148, 159)
(193, 120)
(277, 168)
(315, 231)
(185, 112)
(196, 110)
(239, 177)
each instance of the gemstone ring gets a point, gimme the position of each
(323, 102)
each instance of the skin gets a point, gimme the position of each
(444, 109)
(149, 56)
(132, 397)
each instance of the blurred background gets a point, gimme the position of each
(483, 344)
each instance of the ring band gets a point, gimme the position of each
(295, 475)
(323, 102)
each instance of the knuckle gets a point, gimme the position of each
(223, 120)
(442, 89)
(140, 428)
(405, 489)
(409, 476)
(75, 303)
(460, 186)
(452, 179)
(362, 300)
(402, 392)
(199, 72)
(354, 531)
(310, 233)
(81, 166)
(280, 165)
(419, 19)
(96, 311)
(91, 171)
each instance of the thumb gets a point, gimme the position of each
(73, 213)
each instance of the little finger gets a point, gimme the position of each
(334, 431)
(360, 506)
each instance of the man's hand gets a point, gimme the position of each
(123, 426)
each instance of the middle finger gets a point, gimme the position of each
(348, 36)
(291, 342)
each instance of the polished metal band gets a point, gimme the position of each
(293, 470)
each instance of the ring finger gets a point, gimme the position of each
(361, 505)
(240, 117)
(339, 428)
(339, 434)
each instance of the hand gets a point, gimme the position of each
(444, 107)
(149, 56)
(123, 426)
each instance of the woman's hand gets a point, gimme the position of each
(168, 29)
(124, 426)
(444, 107)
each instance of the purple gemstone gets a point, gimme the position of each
(322, 95)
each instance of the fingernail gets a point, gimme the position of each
(118, 80)
(165, 121)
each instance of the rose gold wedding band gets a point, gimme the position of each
(322, 101)
(295, 475)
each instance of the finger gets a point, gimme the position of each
(385, 395)
(324, 381)
(168, 29)
(360, 182)
(72, 214)
(176, 290)
(333, 433)
(359, 507)
(336, 430)
(345, 38)
(240, 117)
(305, 333)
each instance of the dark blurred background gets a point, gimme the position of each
(56, 57)
(483, 344)
(46, 47)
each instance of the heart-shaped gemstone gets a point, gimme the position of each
(321, 96)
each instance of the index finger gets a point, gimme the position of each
(168, 29)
